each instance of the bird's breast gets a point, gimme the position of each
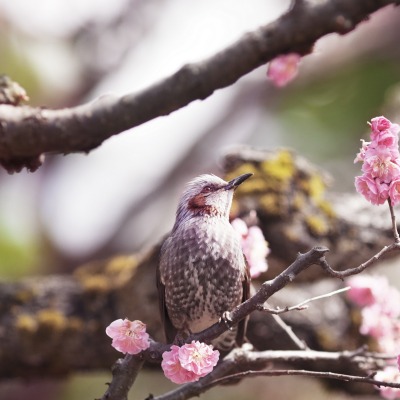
(202, 268)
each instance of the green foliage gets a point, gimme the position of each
(324, 117)
(16, 258)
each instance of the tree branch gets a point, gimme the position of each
(249, 363)
(26, 133)
(124, 373)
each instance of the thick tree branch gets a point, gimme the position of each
(26, 133)
(124, 373)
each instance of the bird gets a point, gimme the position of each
(202, 273)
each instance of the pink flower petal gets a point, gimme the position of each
(173, 369)
(283, 69)
(199, 358)
(128, 336)
(375, 191)
(254, 245)
(190, 362)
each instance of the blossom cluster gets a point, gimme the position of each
(283, 69)
(189, 362)
(380, 319)
(254, 245)
(381, 163)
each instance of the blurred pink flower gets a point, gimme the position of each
(375, 191)
(366, 289)
(190, 362)
(375, 323)
(381, 310)
(389, 374)
(254, 245)
(283, 69)
(128, 336)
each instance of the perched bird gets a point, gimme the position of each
(202, 272)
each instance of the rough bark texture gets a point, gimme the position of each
(54, 325)
(26, 133)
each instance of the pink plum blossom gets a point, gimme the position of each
(361, 155)
(283, 69)
(381, 163)
(394, 191)
(199, 358)
(128, 336)
(389, 374)
(173, 369)
(254, 245)
(375, 191)
(375, 323)
(190, 362)
(379, 124)
(378, 164)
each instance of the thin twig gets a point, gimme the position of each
(394, 223)
(302, 305)
(317, 374)
(301, 344)
(353, 271)
(322, 296)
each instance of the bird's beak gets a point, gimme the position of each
(234, 183)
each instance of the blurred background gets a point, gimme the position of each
(122, 196)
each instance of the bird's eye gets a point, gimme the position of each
(207, 189)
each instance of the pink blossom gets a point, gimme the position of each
(378, 164)
(283, 69)
(367, 289)
(383, 132)
(375, 191)
(199, 358)
(361, 155)
(128, 336)
(379, 124)
(389, 374)
(394, 191)
(398, 362)
(254, 246)
(173, 369)
(190, 362)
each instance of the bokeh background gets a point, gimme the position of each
(122, 196)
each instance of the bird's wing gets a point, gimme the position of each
(242, 325)
(169, 330)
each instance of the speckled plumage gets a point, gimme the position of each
(202, 271)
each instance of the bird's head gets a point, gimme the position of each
(208, 195)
